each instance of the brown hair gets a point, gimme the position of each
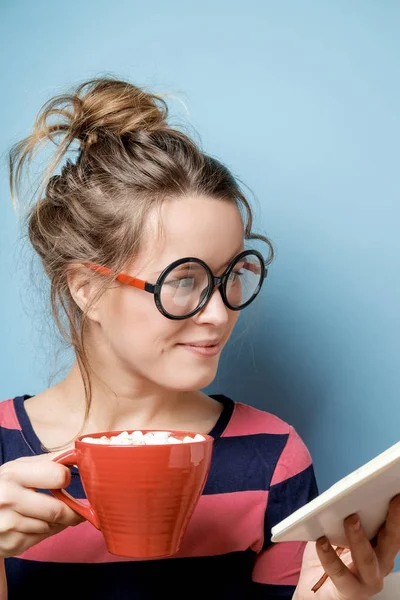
(94, 209)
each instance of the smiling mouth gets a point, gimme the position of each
(206, 349)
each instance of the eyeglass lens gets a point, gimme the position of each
(186, 286)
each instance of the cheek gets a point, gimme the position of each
(133, 319)
(127, 307)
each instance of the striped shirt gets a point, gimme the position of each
(261, 471)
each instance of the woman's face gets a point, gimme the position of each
(130, 332)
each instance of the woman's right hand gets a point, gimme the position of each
(27, 516)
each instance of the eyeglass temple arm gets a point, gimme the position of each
(122, 278)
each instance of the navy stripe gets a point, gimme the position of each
(262, 591)
(244, 463)
(24, 421)
(287, 496)
(226, 577)
(13, 444)
(224, 417)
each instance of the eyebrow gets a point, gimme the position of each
(231, 259)
(156, 274)
(188, 267)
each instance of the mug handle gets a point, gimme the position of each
(69, 458)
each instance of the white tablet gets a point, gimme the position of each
(366, 491)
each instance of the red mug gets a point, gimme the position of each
(140, 497)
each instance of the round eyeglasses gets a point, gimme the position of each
(186, 285)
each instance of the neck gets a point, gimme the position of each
(140, 403)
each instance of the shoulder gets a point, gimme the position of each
(248, 420)
(291, 452)
(8, 416)
(10, 429)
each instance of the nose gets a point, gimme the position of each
(214, 311)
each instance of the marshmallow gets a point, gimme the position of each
(138, 438)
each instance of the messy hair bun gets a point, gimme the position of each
(108, 106)
(98, 108)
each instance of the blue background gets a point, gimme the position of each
(301, 101)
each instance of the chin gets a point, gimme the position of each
(195, 380)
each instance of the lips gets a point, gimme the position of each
(205, 348)
(202, 344)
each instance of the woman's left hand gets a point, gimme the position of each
(360, 571)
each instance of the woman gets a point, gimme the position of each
(150, 252)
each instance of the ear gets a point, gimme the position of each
(84, 287)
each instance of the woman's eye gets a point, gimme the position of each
(185, 282)
(234, 275)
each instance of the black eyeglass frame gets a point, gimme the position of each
(213, 282)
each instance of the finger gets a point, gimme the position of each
(38, 506)
(388, 539)
(44, 456)
(363, 554)
(345, 581)
(12, 522)
(41, 473)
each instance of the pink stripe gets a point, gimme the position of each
(221, 523)
(294, 459)
(8, 418)
(247, 420)
(80, 544)
(280, 564)
(226, 523)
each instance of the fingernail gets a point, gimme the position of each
(354, 522)
(357, 525)
(324, 544)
